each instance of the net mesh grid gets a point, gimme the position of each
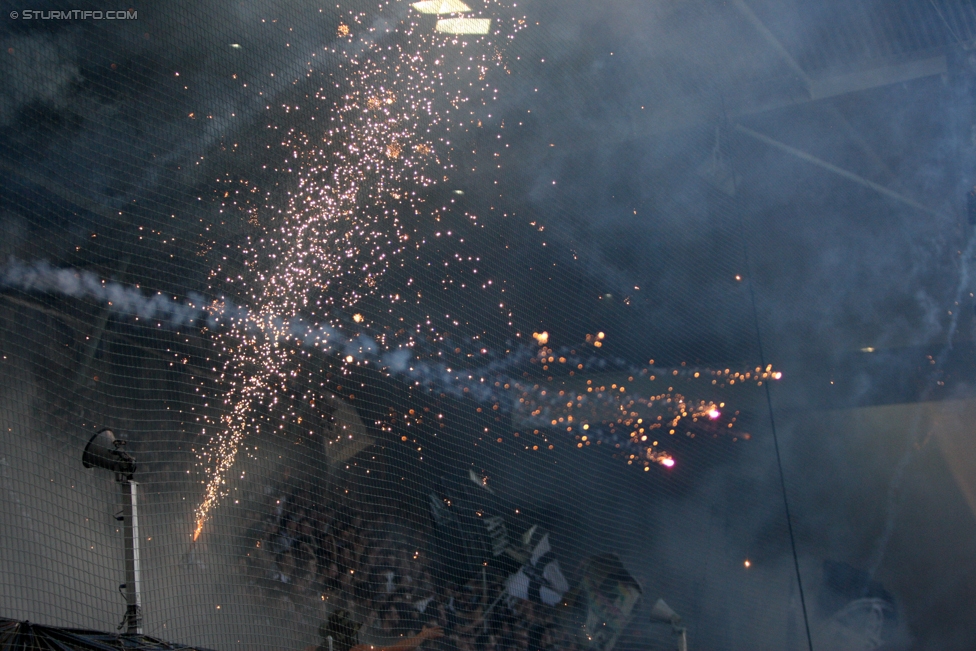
(165, 155)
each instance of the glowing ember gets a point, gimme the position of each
(388, 134)
(397, 101)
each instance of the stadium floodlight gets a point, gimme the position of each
(441, 7)
(662, 613)
(106, 451)
(463, 25)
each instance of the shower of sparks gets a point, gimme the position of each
(386, 136)
(580, 398)
(625, 416)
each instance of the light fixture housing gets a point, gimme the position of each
(106, 451)
(441, 7)
(463, 25)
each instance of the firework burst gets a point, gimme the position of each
(388, 135)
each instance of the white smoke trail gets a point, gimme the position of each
(491, 383)
(41, 277)
(196, 311)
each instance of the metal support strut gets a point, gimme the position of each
(132, 621)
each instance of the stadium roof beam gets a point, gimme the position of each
(830, 167)
(691, 111)
(815, 90)
(842, 83)
(768, 36)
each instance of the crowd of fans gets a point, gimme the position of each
(378, 569)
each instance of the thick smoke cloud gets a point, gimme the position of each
(836, 268)
(617, 120)
(43, 73)
(171, 85)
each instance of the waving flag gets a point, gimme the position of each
(540, 579)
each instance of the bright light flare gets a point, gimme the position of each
(464, 25)
(667, 462)
(714, 414)
(441, 7)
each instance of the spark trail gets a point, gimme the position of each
(618, 406)
(357, 180)
(343, 223)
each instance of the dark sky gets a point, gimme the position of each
(623, 199)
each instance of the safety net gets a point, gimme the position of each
(487, 325)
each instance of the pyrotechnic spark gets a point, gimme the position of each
(337, 238)
(340, 230)
(623, 415)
